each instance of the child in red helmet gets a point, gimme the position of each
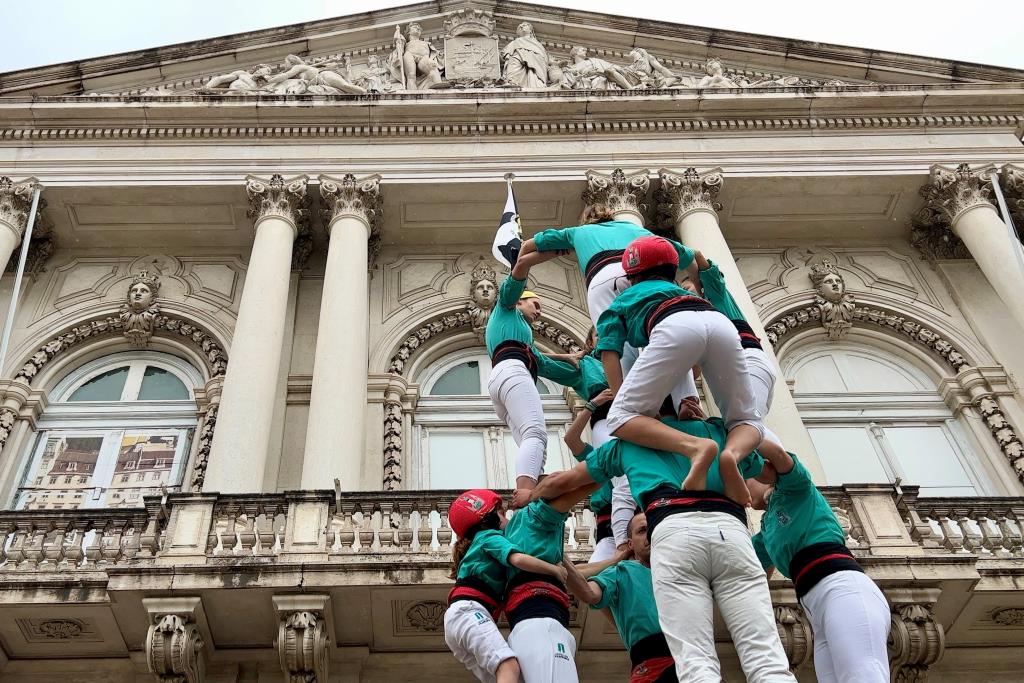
(479, 562)
(678, 330)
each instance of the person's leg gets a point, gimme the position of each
(515, 392)
(474, 639)
(685, 388)
(599, 433)
(603, 289)
(725, 369)
(741, 593)
(762, 378)
(853, 617)
(545, 650)
(679, 569)
(623, 508)
(676, 344)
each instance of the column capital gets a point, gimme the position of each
(352, 197)
(620, 192)
(1013, 188)
(684, 193)
(952, 192)
(278, 198)
(16, 202)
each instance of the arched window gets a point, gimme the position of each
(875, 416)
(458, 441)
(116, 429)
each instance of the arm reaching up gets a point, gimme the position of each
(529, 563)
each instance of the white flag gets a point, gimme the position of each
(509, 238)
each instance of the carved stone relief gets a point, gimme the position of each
(1012, 177)
(483, 293)
(619, 192)
(683, 193)
(795, 634)
(473, 57)
(303, 646)
(833, 301)
(66, 629)
(1009, 616)
(16, 202)
(358, 198)
(174, 649)
(426, 616)
(916, 641)
(140, 310)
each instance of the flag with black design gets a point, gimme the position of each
(509, 238)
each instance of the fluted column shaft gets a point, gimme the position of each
(964, 197)
(15, 204)
(692, 197)
(241, 443)
(336, 432)
(624, 195)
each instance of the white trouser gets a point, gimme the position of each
(516, 401)
(623, 507)
(850, 619)
(474, 639)
(762, 378)
(545, 650)
(702, 558)
(604, 550)
(677, 343)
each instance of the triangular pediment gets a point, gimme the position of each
(485, 45)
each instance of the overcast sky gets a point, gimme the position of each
(989, 32)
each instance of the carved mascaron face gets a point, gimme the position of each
(484, 294)
(140, 297)
(832, 287)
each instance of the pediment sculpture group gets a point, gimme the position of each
(471, 58)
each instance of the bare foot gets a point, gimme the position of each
(697, 479)
(735, 486)
(520, 498)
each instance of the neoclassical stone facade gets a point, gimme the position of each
(246, 368)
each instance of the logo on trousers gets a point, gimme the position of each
(561, 648)
(480, 616)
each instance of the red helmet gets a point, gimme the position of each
(648, 252)
(470, 508)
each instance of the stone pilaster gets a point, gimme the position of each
(683, 193)
(241, 444)
(916, 639)
(337, 406)
(303, 637)
(795, 634)
(625, 195)
(174, 643)
(1012, 177)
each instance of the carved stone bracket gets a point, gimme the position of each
(304, 637)
(174, 643)
(619, 192)
(916, 641)
(683, 193)
(358, 198)
(1012, 177)
(393, 411)
(286, 199)
(795, 634)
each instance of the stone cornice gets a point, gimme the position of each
(854, 62)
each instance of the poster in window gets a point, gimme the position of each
(144, 463)
(65, 474)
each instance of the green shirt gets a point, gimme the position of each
(603, 496)
(506, 322)
(487, 559)
(588, 379)
(537, 530)
(627, 589)
(589, 240)
(626, 317)
(797, 516)
(713, 283)
(648, 469)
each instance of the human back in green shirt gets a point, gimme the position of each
(592, 239)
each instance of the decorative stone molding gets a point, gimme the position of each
(202, 461)
(916, 641)
(1012, 177)
(393, 409)
(1009, 616)
(466, 21)
(426, 616)
(931, 234)
(533, 129)
(618, 191)
(483, 293)
(1003, 432)
(174, 644)
(357, 198)
(140, 309)
(16, 202)
(683, 193)
(952, 191)
(277, 197)
(304, 637)
(795, 634)
(833, 301)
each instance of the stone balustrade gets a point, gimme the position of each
(379, 525)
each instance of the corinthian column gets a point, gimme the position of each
(241, 442)
(687, 202)
(336, 434)
(15, 203)
(624, 194)
(963, 197)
